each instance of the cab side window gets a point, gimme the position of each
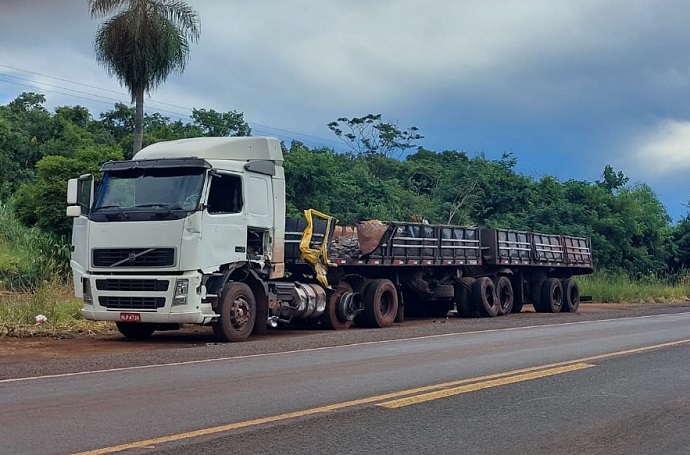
(225, 194)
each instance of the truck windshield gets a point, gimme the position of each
(150, 188)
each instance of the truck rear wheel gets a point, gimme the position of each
(237, 313)
(535, 296)
(136, 330)
(504, 292)
(551, 295)
(330, 317)
(484, 296)
(380, 303)
(571, 295)
(463, 298)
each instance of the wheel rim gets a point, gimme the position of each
(385, 304)
(504, 297)
(240, 312)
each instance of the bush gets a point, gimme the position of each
(30, 257)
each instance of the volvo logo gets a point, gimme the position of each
(132, 257)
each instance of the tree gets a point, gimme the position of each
(612, 180)
(221, 124)
(370, 136)
(142, 43)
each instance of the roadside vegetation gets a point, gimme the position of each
(35, 280)
(639, 255)
(617, 287)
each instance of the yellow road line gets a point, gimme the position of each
(474, 382)
(482, 385)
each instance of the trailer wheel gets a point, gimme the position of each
(484, 296)
(330, 317)
(380, 303)
(535, 296)
(552, 295)
(571, 295)
(136, 330)
(504, 293)
(360, 286)
(463, 298)
(237, 313)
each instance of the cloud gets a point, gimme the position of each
(664, 151)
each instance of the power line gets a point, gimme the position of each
(178, 115)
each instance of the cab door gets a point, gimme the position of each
(224, 237)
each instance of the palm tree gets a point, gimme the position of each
(141, 43)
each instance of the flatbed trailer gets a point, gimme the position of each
(434, 268)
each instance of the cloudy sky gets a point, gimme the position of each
(566, 86)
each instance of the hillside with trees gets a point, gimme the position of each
(385, 176)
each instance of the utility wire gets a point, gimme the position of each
(261, 128)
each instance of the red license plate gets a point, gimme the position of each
(130, 317)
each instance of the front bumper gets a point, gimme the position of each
(152, 298)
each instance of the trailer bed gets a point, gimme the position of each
(415, 244)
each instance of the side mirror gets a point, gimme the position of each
(72, 191)
(79, 195)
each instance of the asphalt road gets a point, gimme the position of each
(610, 386)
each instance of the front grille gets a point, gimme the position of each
(131, 303)
(123, 284)
(134, 257)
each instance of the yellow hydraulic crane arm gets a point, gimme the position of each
(317, 257)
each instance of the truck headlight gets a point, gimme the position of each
(86, 288)
(181, 289)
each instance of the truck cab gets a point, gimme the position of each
(154, 244)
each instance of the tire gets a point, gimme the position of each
(463, 298)
(330, 318)
(484, 296)
(360, 286)
(237, 313)
(380, 303)
(571, 295)
(504, 293)
(552, 295)
(535, 296)
(444, 291)
(136, 330)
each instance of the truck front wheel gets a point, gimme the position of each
(237, 313)
(136, 330)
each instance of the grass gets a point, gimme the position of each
(35, 279)
(29, 257)
(619, 288)
(18, 313)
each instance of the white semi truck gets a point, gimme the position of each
(194, 231)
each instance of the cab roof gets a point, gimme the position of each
(216, 148)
